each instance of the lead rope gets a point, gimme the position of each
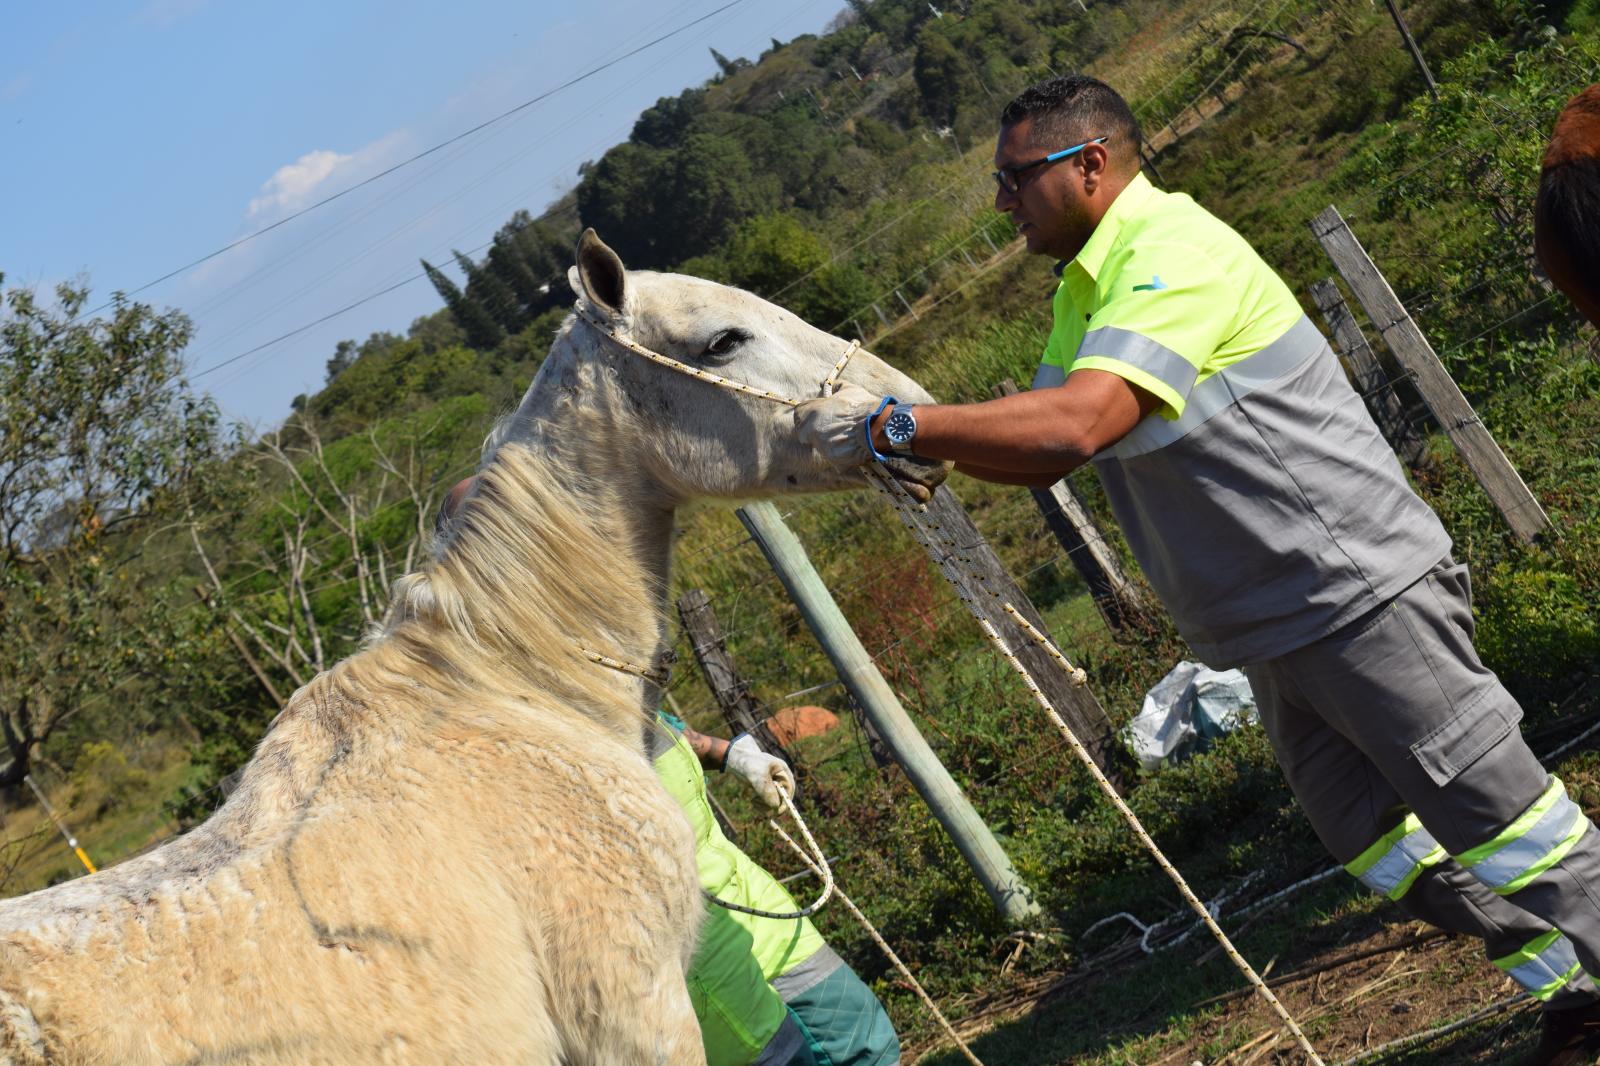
(883, 945)
(970, 586)
(816, 860)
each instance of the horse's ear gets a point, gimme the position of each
(600, 273)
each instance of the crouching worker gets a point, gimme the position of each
(806, 1002)
(766, 991)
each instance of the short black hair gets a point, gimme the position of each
(1073, 108)
(1567, 213)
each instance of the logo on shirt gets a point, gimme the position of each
(1155, 283)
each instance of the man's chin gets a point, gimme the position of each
(1036, 242)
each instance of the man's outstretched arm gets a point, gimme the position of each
(1032, 438)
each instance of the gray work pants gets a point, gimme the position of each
(1392, 721)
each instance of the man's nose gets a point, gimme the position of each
(1004, 198)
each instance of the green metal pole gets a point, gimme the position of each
(861, 676)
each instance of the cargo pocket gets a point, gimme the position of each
(1452, 589)
(1465, 736)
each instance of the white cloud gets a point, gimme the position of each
(313, 175)
(291, 188)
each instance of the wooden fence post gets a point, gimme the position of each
(1119, 600)
(732, 692)
(1370, 380)
(1411, 46)
(861, 676)
(1413, 352)
(1076, 703)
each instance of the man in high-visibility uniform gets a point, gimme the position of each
(1279, 530)
(766, 990)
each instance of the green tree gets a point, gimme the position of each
(729, 67)
(617, 195)
(663, 124)
(344, 353)
(494, 294)
(944, 77)
(779, 257)
(482, 331)
(102, 444)
(711, 187)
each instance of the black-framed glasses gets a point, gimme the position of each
(1010, 178)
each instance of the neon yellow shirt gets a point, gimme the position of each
(1259, 499)
(1164, 294)
(739, 953)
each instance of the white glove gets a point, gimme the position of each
(766, 773)
(835, 425)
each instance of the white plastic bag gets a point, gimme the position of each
(1192, 705)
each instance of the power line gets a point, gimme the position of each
(316, 322)
(423, 175)
(413, 277)
(430, 151)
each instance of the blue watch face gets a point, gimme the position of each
(899, 426)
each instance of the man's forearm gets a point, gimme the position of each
(1040, 435)
(1011, 477)
(711, 751)
(1022, 434)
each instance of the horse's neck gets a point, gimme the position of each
(635, 525)
(595, 438)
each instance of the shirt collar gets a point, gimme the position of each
(1127, 204)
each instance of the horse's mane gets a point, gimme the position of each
(530, 567)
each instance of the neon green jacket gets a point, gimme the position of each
(738, 953)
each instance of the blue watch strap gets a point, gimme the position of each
(866, 427)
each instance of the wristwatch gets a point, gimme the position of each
(900, 428)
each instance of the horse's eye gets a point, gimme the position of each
(726, 341)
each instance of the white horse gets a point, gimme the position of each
(450, 847)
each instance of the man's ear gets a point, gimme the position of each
(1096, 166)
(601, 276)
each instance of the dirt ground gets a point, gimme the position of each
(1362, 981)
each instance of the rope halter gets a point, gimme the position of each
(827, 387)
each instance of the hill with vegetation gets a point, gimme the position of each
(168, 585)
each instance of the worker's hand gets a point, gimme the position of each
(835, 425)
(766, 773)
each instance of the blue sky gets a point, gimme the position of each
(136, 137)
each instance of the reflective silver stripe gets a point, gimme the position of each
(1137, 350)
(805, 975)
(1548, 972)
(1523, 853)
(1300, 342)
(1049, 376)
(1405, 860)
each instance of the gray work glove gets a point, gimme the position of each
(836, 425)
(765, 773)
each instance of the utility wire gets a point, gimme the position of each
(316, 322)
(569, 83)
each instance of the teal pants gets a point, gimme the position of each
(845, 1023)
